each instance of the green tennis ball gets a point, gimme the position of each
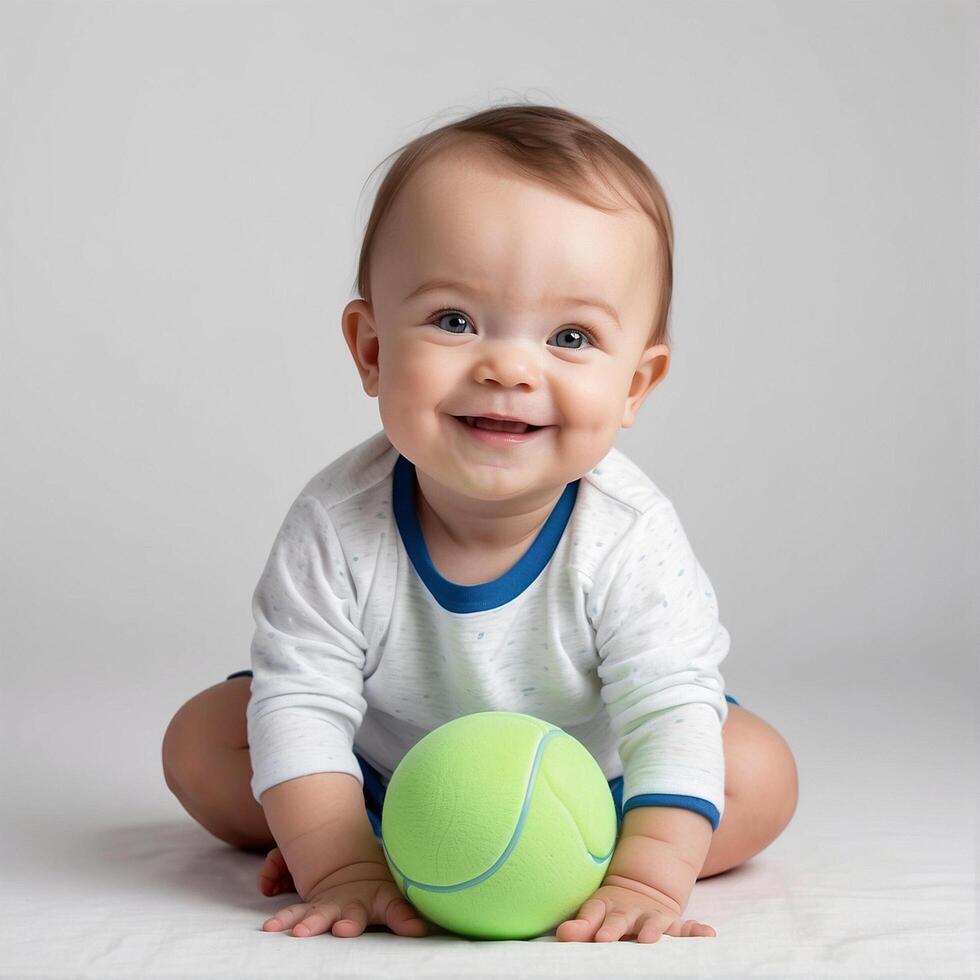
(498, 825)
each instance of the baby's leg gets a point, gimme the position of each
(761, 791)
(207, 766)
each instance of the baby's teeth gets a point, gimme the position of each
(495, 425)
(499, 425)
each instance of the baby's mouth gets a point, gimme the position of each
(497, 425)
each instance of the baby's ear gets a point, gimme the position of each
(652, 369)
(357, 323)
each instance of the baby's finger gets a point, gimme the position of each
(286, 918)
(317, 921)
(583, 927)
(689, 927)
(352, 921)
(648, 929)
(614, 926)
(403, 919)
(272, 872)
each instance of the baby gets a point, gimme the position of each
(490, 550)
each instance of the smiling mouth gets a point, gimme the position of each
(497, 425)
(495, 435)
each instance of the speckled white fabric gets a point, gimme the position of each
(607, 627)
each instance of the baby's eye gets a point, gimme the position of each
(454, 315)
(575, 333)
(448, 314)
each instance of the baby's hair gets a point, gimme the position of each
(551, 145)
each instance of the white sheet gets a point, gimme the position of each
(106, 876)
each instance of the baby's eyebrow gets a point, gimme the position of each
(600, 304)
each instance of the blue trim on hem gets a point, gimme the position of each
(695, 803)
(486, 595)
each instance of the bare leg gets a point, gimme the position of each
(207, 766)
(761, 791)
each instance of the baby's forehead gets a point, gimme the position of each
(444, 187)
(474, 214)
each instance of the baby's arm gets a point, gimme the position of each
(321, 825)
(306, 704)
(662, 847)
(307, 701)
(660, 647)
(645, 890)
(337, 864)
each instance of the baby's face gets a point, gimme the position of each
(504, 331)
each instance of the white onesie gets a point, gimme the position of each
(606, 627)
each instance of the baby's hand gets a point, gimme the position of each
(629, 909)
(345, 903)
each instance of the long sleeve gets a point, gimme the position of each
(660, 645)
(307, 656)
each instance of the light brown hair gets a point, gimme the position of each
(551, 145)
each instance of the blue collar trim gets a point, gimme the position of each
(487, 595)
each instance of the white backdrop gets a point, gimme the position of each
(183, 188)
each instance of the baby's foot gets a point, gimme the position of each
(274, 877)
